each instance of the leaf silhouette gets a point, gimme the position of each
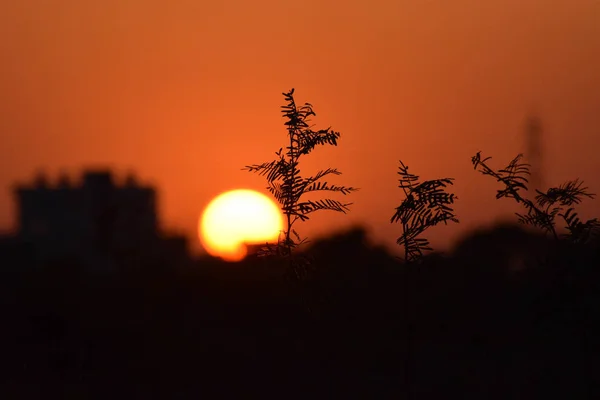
(283, 175)
(425, 205)
(548, 205)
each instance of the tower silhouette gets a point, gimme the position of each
(534, 152)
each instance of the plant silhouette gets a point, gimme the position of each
(426, 204)
(543, 211)
(286, 183)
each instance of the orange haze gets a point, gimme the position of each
(187, 92)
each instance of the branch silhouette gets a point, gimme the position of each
(425, 205)
(286, 183)
(542, 211)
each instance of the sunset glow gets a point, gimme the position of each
(236, 218)
(173, 90)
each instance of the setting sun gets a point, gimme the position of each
(237, 218)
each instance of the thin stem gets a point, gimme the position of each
(404, 228)
(289, 195)
(405, 244)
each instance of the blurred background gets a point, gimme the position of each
(186, 93)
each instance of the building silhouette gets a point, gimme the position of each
(97, 222)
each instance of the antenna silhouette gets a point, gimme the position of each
(534, 152)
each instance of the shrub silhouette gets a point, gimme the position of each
(288, 186)
(425, 205)
(543, 211)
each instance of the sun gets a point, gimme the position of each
(236, 218)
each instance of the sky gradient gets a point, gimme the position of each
(186, 93)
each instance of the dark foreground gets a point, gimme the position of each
(508, 315)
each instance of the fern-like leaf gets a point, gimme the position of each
(284, 178)
(542, 212)
(425, 205)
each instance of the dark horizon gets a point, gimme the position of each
(489, 320)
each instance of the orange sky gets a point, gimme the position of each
(186, 93)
